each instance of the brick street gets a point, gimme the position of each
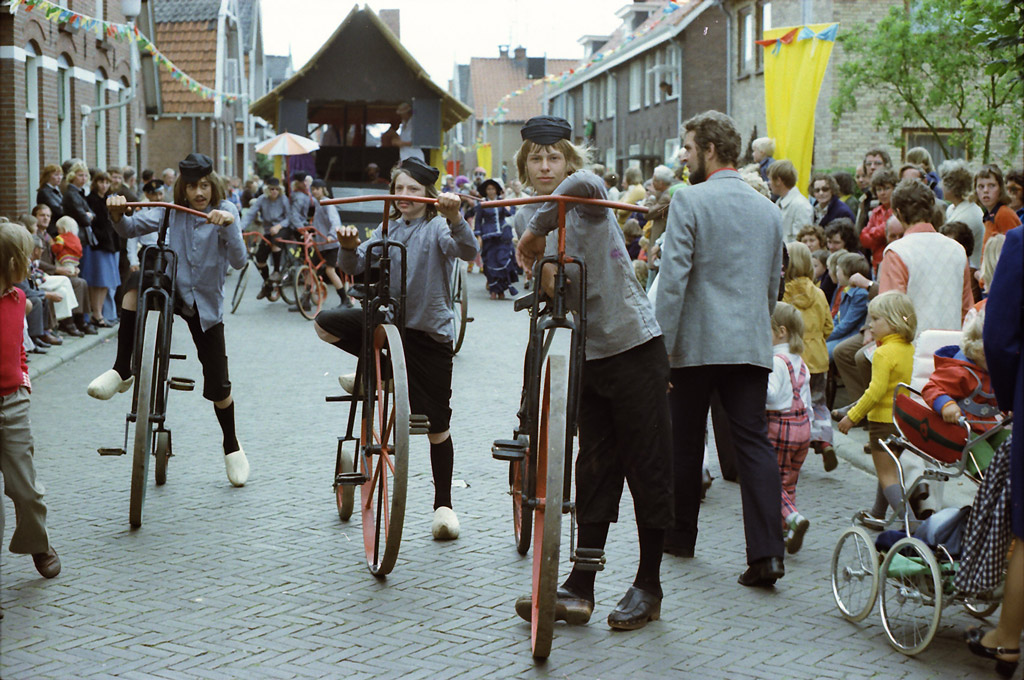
(266, 582)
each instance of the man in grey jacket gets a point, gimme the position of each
(720, 276)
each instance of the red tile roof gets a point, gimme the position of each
(192, 46)
(492, 79)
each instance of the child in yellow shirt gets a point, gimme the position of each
(893, 323)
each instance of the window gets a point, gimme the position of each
(64, 108)
(806, 13)
(650, 76)
(123, 131)
(636, 83)
(602, 96)
(672, 145)
(766, 16)
(950, 137)
(764, 24)
(634, 151)
(100, 120)
(609, 160)
(570, 110)
(671, 74)
(746, 41)
(32, 64)
(609, 111)
(588, 108)
(231, 76)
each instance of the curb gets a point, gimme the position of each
(41, 364)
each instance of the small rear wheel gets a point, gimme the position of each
(855, 574)
(344, 494)
(522, 523)
(163, 452)
(547, 516)
(243, 281)
(911, 595)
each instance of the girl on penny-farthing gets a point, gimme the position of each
(434, 237)
(204, 249)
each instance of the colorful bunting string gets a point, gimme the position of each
(123, 33)
(800, 33)
(557, 79)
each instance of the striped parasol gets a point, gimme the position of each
(287, 144)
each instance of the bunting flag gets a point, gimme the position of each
(792, 82)
(558, 78)
(123, 33)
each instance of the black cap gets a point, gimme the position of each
(272, 182)
(300, 176)
(493, 182)
(420, 171)
(319, 183)
(152, 186)
(546, 130)
(195, 167)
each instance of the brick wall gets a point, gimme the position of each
(86, 56)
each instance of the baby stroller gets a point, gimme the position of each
(911, 568)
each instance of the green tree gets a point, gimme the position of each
(939, 61)
(264, 166)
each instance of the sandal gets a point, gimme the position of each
(1005, 667)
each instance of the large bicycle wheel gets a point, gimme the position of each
(385, 452)
(243, 281)
(855, 574)
(522, 523)
(460, 305)
(162, 453)
(146, 387)
(344, 494)
(310, 292)
(911, 595)
(547, 517)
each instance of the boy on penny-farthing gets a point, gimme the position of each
(623, 406)
(434, 236)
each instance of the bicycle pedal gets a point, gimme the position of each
(110, 452)
(469, 318)
(589, 559)
(343, 397)
(176, 356)
(183, 384)
(510, 450)
(349, 479)
(418, 424)
(371, 450)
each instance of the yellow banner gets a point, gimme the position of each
(483, 158)
(795, 60)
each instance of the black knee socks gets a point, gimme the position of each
(125, 344)
(442, 463)
(264, 272)
(581, 582)
(276, 257)
(648, 574)
(226, 418)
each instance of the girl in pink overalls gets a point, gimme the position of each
(788, 406)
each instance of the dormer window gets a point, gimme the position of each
(635, 14)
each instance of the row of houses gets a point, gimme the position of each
(664, 63)
(68, 93)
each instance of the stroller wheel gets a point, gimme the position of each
(911, 595)
(855, 574)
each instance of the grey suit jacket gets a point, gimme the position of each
(720, 269)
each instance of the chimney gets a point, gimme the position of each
(503, 51)
(391, 20)
(520, 55)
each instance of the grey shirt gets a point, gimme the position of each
(299, 209)
(326, 221)
(270, 212)
(619, 315)
(432, 246)
(203, 251)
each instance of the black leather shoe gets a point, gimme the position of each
(636, 608)
(571, 608)
(67, 326)
(678, 550)
(47, 563)
(86, 328)
(1005, 668)
(763, 573)
(40, 342)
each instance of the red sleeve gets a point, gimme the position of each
(873, 235)
(951, 381)
(1006, 219)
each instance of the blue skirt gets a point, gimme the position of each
(100, 268)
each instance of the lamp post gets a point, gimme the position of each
(130, 9)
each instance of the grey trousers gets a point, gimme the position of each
(18, 477)
(854, 368)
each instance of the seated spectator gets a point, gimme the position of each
(828, 205)
(961, 233)
(984, 275)
(874, 160)
(819, 259)
(796, 209)
(60, 294)
(812, 236)
(873, 236)
(840, 235)
(75, 326)
(853, 301)
(49, 192)
(920, 157)
(67, 248)
(990, 193)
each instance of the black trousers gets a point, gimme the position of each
(625, 435)
(741, 389)
(428, 363)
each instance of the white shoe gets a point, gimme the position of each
(238, 467)
(445, 526)
(348, 382)
(108, 384)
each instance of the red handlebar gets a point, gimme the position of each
(175, 206)
(564, 199)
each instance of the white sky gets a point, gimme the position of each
(440, 34)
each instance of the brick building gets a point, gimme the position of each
(47, 73)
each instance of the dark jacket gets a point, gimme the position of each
(76, 207)
(836, 209)
(102, 229)
(49, 195)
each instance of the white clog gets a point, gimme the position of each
(445, 526)
(108, 384)
(237, 466)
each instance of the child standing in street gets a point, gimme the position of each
(17, 469)
(789, 419)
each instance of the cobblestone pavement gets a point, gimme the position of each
(266, 582)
